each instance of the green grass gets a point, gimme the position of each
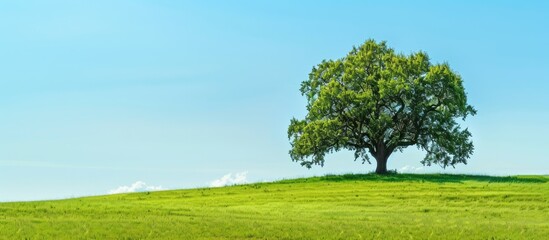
(402, 206)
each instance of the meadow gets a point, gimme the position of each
(363, 206)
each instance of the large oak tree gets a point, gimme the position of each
(375, 101)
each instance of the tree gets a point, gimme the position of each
(375, 101)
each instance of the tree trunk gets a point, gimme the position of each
(381, 156)
(381, 165)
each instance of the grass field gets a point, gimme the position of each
(402, 206)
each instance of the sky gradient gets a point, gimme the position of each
(95, 95)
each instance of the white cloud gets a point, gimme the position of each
(410, 169)
(138, 186)
(230, 179)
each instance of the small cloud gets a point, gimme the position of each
(138, 186)
(230, 179)
(410, 169)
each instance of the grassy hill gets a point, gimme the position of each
(403, 206)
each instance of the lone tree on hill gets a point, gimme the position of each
(377, 101)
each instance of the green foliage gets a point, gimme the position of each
(375, 101)
(366, 206)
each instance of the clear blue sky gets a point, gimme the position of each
(100, 94)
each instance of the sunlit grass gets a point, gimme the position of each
(401, 206)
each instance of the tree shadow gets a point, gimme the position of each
(436, 178)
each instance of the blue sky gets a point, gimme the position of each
(100, 94)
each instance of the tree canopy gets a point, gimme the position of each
(375, 101)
